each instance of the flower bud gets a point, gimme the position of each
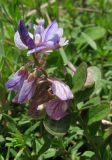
(28, 88)
(89, 81)
(41, 96)
(16, 82)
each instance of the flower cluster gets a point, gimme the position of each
(37, 88)
(43, 40)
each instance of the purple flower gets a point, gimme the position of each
(22, 38)
(16, 82)
(60, 89)
(56, 109)
(44, 40)
(28, 89)
(41, 96)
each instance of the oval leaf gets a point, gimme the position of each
(57, 128)
(97, 113)
(80, 77)
(89, 40)
(94, 32)
(97, 78)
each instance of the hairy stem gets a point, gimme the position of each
(39, 65)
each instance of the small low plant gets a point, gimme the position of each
(56, 111)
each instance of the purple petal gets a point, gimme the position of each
(56, 109)
(50, 31)
(23, 31)
(30, 43)
(48, 46)
(54, 42)
(38, 29)
(18, 41)
(41, 48)
(24, 35)
(28, 89)
(41, 22)
(60, 32)
(16, 82)
(60, 89)
(37, 39)
(13, 84)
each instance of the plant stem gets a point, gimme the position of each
(40, 67)
(35, 60)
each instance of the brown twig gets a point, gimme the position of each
(88, 10)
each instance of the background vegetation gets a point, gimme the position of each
(88, 26)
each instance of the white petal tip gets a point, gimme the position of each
(63, 42)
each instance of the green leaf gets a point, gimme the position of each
(2, 139)
(31, 129)
(1, 117)
(89, 40)
(57, 128)
(1, 157)
(94, 127)
(88, 154)
(84, 95)
(94, 33)
(98, 112)
(92, 102)
(19, 154)
(96, 73)
(49, 153)
(63, 55)
(11, 124)
(44, 148)
(2, 52)
(80, 77)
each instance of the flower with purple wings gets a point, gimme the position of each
(43, 40)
